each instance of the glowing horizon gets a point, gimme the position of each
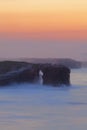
(65, 19)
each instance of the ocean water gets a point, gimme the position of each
(38, 107)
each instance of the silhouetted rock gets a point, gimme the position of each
(29, 73)
(64, 61)
(56, 75)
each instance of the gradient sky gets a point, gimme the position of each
(43, 28)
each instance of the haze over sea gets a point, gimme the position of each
(44, 29)
(38, 107)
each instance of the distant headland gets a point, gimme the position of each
(68, 62)
(71, 63)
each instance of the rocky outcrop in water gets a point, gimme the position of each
(30, 73)
(71, 63)
(56, 75)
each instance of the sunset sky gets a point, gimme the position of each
(43, 28)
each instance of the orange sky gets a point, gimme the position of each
(61, 19)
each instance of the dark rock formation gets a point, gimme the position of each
(70, 63)
(29, 73)
(56, 75)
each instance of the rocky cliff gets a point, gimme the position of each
(20, 72)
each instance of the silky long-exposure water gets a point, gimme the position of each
(38, 107)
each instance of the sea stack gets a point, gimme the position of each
(46, 74)
(56, 75)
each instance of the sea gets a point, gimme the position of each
(38, 107)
